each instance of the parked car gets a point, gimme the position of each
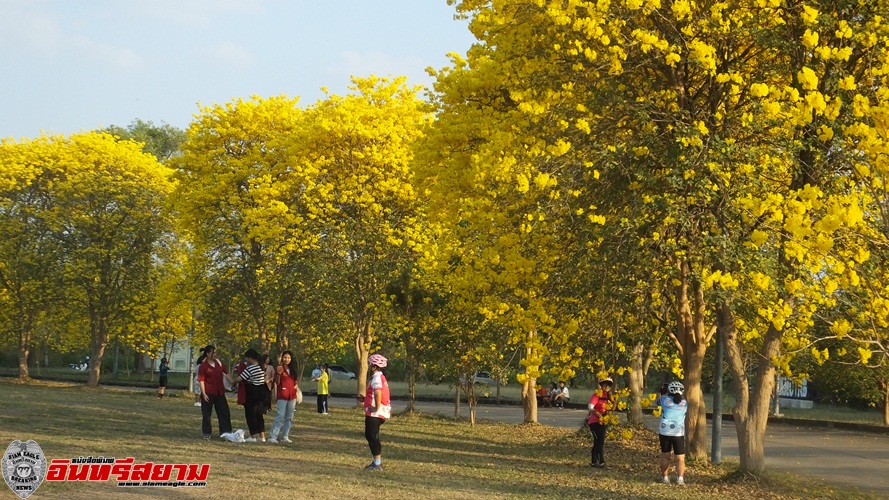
(483, 378)
(337, 371)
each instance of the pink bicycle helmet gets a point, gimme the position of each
(378, 360)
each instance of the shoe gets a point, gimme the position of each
(198, 403)
(324, 413)
(287, 440)
(666, 480)
(250, 440)
(207, 437)
(273, 441)
(262, 440)
(601, 465)
(374, 467)
(680, 481)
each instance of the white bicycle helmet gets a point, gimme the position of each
(676, 388)
(378, 360)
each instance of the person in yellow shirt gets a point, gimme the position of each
(323, 380)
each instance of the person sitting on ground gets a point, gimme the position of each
(543, 398)
(561, 396)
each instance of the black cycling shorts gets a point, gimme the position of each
(674, 443)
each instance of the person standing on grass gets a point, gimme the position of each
(253, 379)
(196, 386)
(162, 379)
(266, 364)
(210, 376)
(240, 389)
(285, 376)
(377, 409)
(671, 431)
(323, 380)
(600, 404)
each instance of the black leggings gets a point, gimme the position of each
(222, 414)
(598, 454)
(372, 434)
(322, 403)
(254, 408)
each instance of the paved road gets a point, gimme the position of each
(841, 457)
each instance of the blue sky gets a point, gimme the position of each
(68, 66)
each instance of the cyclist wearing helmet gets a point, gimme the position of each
(672, 430)
(376, 409)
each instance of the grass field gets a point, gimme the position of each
(424, 456)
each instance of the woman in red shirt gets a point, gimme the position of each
(600, 404)
(210, 376)
(285, 376)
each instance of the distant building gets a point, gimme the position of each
(180, 358)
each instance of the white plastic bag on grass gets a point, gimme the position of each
(235, 437)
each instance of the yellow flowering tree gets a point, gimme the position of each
(733, 125)
(352, 155)
(30, 257)
(110, 220)
(504, 243)
(234, 198)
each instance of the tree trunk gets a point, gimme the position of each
(24, 350)
(411, 393)
(363, 340)
(529, 400)
(300, 368)
(97, 353)
(692, 338)
(529, 392)
(885, 386)
(263, 336)
(470, 400)
(116, 360)
(751, 411)
(636, 384)
(696, 420)
(410, 364)
(457, 400)
(98, 342)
